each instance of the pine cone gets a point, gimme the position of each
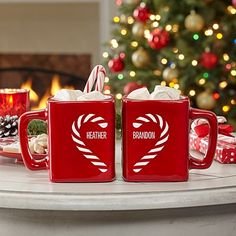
(8, 126)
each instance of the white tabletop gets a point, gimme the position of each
(24, 189)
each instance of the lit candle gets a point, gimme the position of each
(13, 101)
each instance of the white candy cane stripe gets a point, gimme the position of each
(152, 154)
(76, 137)
(97, 75)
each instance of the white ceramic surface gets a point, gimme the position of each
(24, 189)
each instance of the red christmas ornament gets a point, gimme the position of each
(234, 3)
(158, 39)
(141, 14)
(208, 60)
(131, 86)
(116, 64)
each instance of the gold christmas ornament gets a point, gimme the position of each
(140, 58)
(138, 29)
(205, 100)
(170, 74)
(194, 22)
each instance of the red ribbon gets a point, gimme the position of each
(203, 130)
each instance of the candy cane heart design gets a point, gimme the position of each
(160, 144)
(76, 137)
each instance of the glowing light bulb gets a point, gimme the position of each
(105, 54)
(155, 24)
(219, 36)
(233, 72)
(202, 81)
(163, 83)
(107, 91)
(132, 73)
(106, 79)
(114, 43)
(130, 20)
(223, 84)
(168, 27)
(216, 96)
(233, 101)
(205, 75)
(196, 36)
(181, 57)
(192, 92)
(231, 10)
(158, 17)
(215, 26)
(225, 108)
(147, 34)
(134, 44)
(175, 28)
(152, 17)
(120, 76)
(123, 31)
(116, 19)
(208, 32)
(175, 50)
(225, 57)
(164, 61)
(119, 96)
(194, 62)
(176, 86)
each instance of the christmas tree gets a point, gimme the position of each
(189, 45)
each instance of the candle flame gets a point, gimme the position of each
(10, 100)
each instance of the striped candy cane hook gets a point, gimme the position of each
(76, 137)
(97, 77)
(153, 153)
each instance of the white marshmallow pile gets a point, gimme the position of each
(78, 95)
(39, 144)
(159, 93)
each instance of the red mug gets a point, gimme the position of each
(81, 146)
(155, 139)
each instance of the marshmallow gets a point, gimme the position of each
(38, 145)
(67, 95)
(160, 95)
(92, 96)
(165, 93)
(139, 94)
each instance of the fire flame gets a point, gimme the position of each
(55, 86)
(33, 95)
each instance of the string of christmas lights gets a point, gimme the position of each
(193, 53)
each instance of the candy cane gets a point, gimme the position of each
(152, 154)
(76, 137)
(97, 75)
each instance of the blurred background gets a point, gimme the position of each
(189, 45)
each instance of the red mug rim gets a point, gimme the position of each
(182, 98)
(111, 98)
(13, 90)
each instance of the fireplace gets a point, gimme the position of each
(44, 74)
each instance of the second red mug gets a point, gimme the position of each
(156, 139)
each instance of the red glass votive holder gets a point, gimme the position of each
(14, 101)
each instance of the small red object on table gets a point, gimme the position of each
(13, 101)
(226, 144)
(225, 152)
